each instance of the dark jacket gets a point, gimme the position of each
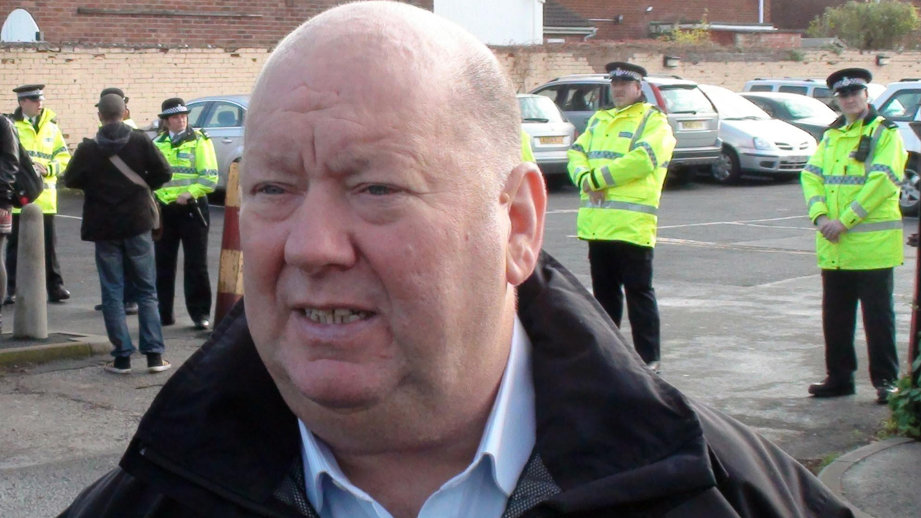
(9, 163)
(115, 207)
(613, 439)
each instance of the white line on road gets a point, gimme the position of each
(68, 217)
(739, 222)
(725, 246)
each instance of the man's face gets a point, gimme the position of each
(853, 102)
(625, 93)
(31, 106)
(177, 123)
(375, 271)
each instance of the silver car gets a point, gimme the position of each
(222, 118)
(754, 143)
(551, 135)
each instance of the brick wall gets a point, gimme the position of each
(796, 14)
(636, 19)
(220, 23)
(74, 76)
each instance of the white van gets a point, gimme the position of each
(816, 88)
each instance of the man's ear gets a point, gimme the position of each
(525, 196)
(100, 117)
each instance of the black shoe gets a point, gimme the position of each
(201, 323)
(97, 307)
(883, 392)
(164, 321)
(121, 365)
(832, 388)
(9, 300)
(58, 294)
(156, 363)
(131, 308)
(655, 365)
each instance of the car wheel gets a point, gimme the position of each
(910, 198)
(726, 170)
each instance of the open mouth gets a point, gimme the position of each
(336, 316)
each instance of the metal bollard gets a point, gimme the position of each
(31, 318)
(230, 275)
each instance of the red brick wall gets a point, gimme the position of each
(796, 14)
(59, 21)
(636, 19)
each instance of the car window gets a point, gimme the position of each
(805, 107)
(539, 109)
(581, 98)
(761, 88)
(764, 105)
(793, 89)
(685, 99)
(225, 115)
(901, 106)
(732, 106)
(195, 113)
(552, 93)
(822, 93)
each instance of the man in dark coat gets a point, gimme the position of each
(404, 349)
(118, 215)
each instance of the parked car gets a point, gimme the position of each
(899, 103)
(806, 113)
(815, 88)
(691, 115)
(551, 135)
(754, 143)
(222, 118)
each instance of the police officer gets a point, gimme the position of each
(40, 136)
(185, 219)
(119, 92)
(619, 164)
(852, 186)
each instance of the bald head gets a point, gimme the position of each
(111, 108)
(407, 64)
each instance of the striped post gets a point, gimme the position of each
(230, 276)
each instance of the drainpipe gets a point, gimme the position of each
(760, 11)
(592, 35)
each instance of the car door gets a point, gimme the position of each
(903, 107)
(224, 124)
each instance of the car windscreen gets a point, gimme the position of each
(685, 99)
(732, 106)
(807, 107)
(539, 109)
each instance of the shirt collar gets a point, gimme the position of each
(506, 445)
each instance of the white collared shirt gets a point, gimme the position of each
(480, 491)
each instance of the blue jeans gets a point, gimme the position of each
(122, 262)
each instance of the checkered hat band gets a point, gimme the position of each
(30, 93)
(175, 109)
(849, 81)
(626, 73)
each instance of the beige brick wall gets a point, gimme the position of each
(74, 76)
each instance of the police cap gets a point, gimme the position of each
(849, 79)
(30, 91)
(620, 71)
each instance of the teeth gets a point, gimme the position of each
(335, 316)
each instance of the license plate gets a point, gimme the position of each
(551, 140)
(693, 125)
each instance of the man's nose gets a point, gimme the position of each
(321, 237)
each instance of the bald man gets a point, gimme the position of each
(404, 349)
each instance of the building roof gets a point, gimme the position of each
(558, 16)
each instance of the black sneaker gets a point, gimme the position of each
(156, 363)
(9, 300)
(131, 308)
(832, 387)
(883, 392)
(97, 307)
(121, 365)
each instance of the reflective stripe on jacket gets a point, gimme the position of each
(193, 164)
(864, 196)
(625, 154)
(527, 155)
(46, 147)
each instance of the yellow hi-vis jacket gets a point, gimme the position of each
(46, 147)
(527, 155)
(193, 164)
(623, 153)
(864, 196)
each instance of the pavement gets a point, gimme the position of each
(739, 296)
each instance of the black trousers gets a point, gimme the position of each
(180, 225)
(841, 290)
(619, 267)
(53, 278)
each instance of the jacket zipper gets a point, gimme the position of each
(223, 493)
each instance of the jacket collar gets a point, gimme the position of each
(604, 421)
(841, 122)
(44, 117)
